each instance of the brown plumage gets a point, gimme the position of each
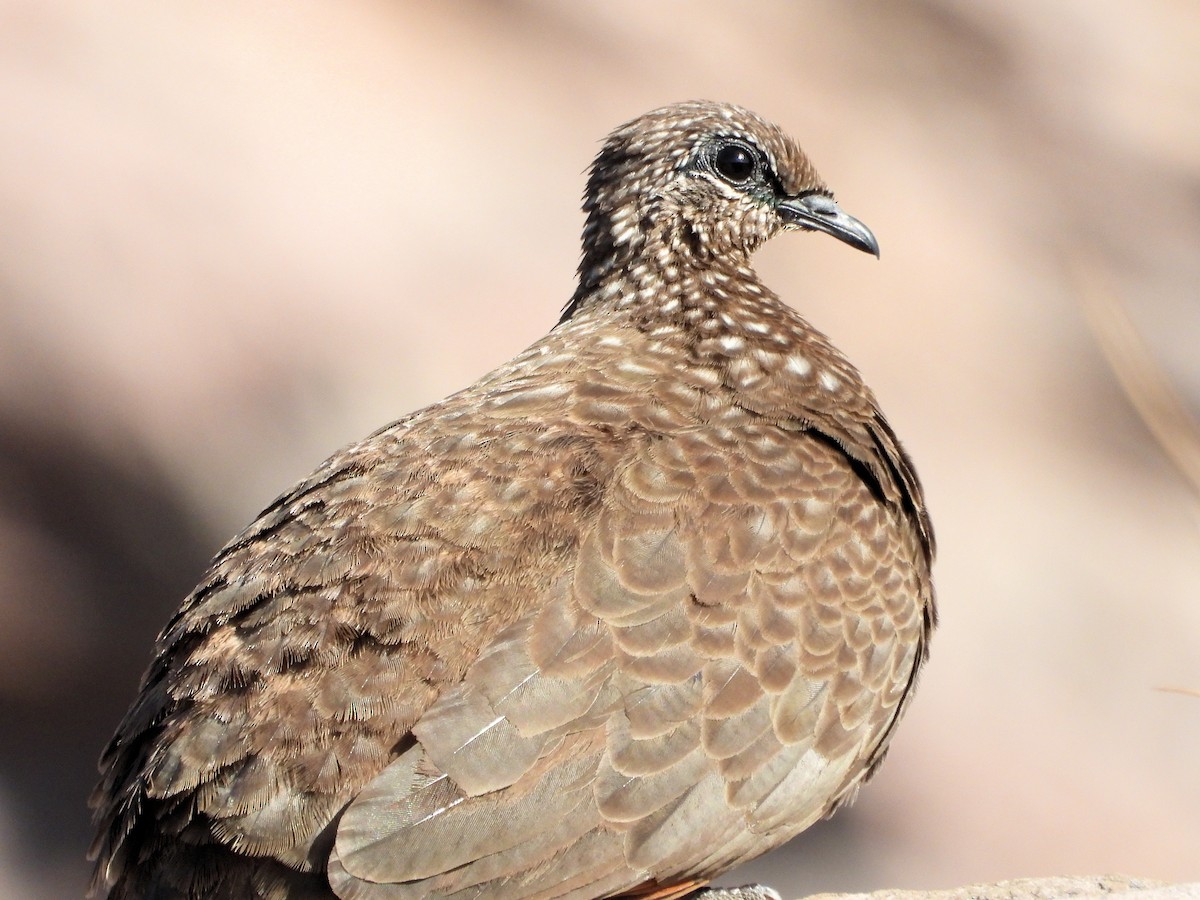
(641, 604)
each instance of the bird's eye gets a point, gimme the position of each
(734, 162)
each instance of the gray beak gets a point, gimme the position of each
(817, 212)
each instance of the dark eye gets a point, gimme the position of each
(734, 162)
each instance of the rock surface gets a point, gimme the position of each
(1085, 886)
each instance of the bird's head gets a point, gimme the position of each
(704, 180)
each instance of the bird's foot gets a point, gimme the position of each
(745, 892)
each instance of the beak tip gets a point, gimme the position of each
(860, 237)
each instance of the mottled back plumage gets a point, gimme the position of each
(641, 604)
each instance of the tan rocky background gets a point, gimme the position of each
(234, 236)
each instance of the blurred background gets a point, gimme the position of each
(235, 236)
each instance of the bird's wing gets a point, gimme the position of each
(701, 684)
(321, 635)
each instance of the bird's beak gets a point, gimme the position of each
(817, 212)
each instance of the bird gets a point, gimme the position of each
(639, 605)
